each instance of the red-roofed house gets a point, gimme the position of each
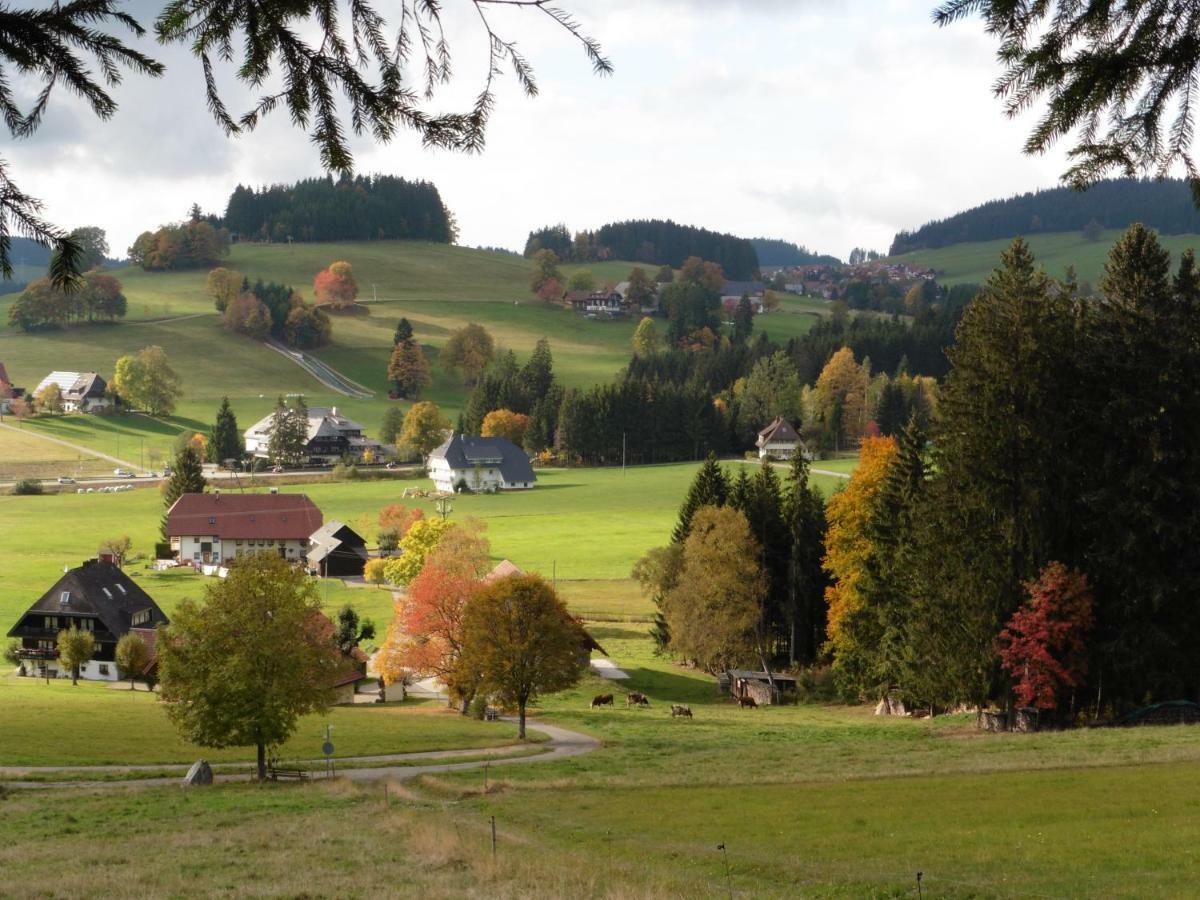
(217, 528)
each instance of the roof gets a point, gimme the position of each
(244, 516)
(577, 296)
(503, 569)
(353, 664)
(97, 589)
(323, 421)
(74, 385)
(751, 675)
(4, 375)
(737, 288)
(780, 431)
(335, 537)
(463, 453)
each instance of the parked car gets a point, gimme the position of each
(65, 479)
(121, 473)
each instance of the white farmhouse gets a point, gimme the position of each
(331, 436)
(779, 441)
(481, 464)
(216, 528)
(81, 391)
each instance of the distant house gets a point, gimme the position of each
(733, 291)
(353, 667)
(7, 391)
(481, 464)
(81, 391)
(336, 549)
(216, 528)
(96, 597)
(779, 440)
(331, 436)
(602, 302)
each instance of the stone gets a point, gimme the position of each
(200, 773)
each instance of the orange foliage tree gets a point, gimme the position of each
(506, 424)
(399, 518)
(336, 285)
(847, 542)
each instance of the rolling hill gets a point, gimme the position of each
(436, 286)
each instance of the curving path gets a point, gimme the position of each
(563, 743)
(324, 373)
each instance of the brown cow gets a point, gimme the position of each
(636, 698)
(678, 709)
(747, 703)
(602, 700)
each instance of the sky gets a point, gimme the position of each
(829, 123)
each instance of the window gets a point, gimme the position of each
(239, 543)
(45, 645)
(103, 668)
(121, 588)
(141, 617)
(52, 623)
(212, 520)
(107, 593)
(64, 598)
(87, 625)
(196, 555)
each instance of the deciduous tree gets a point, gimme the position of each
(146, 381)
(646, 341)
(241, 668)
(506, 424)
(76, 647)
(408, 370)
(468, 352)
(336, 286)
(224, 286)
(118, 548)
(420, 540)
(520, 642)
(424, 429)
(545, 270)
(132, 656)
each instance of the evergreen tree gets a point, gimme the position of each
(277, 441)
(710, 487)
(740, 491)
(537, 376)
(804, 515)
(226, 438)
(743, 320)
(404, 332)
(187, 477)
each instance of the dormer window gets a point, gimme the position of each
(121, 588)
(64, 598)
(107, 593)
(212, 520)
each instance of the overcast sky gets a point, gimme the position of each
(831, 124)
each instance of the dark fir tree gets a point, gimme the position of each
(710, 487)
(537, 376)
(743, 320)
(187, 477)
(404, 332)
(804, 515)
(226, 438)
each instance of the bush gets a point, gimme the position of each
(478, 707)
(373, 571)
(28, 487)
(388, 540)
(343, 472)
(162, 550)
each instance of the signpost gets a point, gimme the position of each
(327, 749)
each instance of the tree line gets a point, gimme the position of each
(348, 208)
(1166, 205)
(653, 241)
(99, 298)
(194, 244)
(775, 252)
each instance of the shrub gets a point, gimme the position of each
(373, 571)
(162, 550)
(478, 707)
(28, 487)
(343, 472)
(388, 540)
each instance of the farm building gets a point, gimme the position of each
(480, 464)
(733, 291)
(336, 549)
(756, 686)
(779, 440)
(331, 437)
(81, 391)
(216, 528)
(96, 597)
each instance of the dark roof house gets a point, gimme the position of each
(96, 597)
(81, 391)
(778, 440)
(481, 463)
(336, 549)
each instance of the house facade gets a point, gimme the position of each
(336, 549)
(8, 392)
(216, 528)
(96, 597)
(81, 391)
(331, 437)
(779, 440)
(480, 464)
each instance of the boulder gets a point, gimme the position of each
(200, 773)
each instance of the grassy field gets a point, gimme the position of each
(601, 521)
(971, 263)
(29, 456)
(809, 800)
(437, 287)
(93, 724)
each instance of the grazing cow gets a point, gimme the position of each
(636, 698)
(747, 703)
(678, 709)
(602, 700)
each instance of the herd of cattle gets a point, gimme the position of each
(637, 698)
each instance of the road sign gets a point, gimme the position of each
(327, 748)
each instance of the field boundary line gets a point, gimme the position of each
(78, 448)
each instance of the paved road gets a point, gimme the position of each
(562, 744)
(324, 373)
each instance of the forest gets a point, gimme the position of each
(359, 208)
(652, 241)
(1111, 204)
(774, 252)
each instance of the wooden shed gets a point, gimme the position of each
(756, 685)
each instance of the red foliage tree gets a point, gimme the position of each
(1043, 647)
(336, 285)
(399, 518)
(432, 623)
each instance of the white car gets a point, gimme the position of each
(121, 473)
(64, 479)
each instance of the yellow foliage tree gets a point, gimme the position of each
(847, 545)
(842, 392)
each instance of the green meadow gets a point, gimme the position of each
(973, 262)
(437, 287)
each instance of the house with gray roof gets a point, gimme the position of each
(480, 464)
(81, 391)
(331, 436)
(733, 291)
(779, 440)
(96, 597)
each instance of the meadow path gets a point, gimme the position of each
(78, 448)
(563, 743)
(780, 465)
(324, 373)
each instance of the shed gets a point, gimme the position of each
(757, 685)
(335, 549)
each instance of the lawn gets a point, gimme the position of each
(94, 724)
(30, 456)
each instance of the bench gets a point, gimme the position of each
(276, 774)
(490, 714)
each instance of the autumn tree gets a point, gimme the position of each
(244, 665)
(468, 352)
(224, 286)
(545, 271)
(118, 548)
(1043, 647)
(702, 273)
(398, 518)
(841, 396)
(664, 275)
(581, 280)
(506, 424)
(132, 656)
(657, 572)
(408, 370)
(645, 338)
(75, 647)
(49, 399)
(419, 541)
(519, 642)
(424, 429)
(641, 290)
(246, 314)
(336, 286)
(146, 381)
(714, 611)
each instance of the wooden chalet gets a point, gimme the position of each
(337, 550)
